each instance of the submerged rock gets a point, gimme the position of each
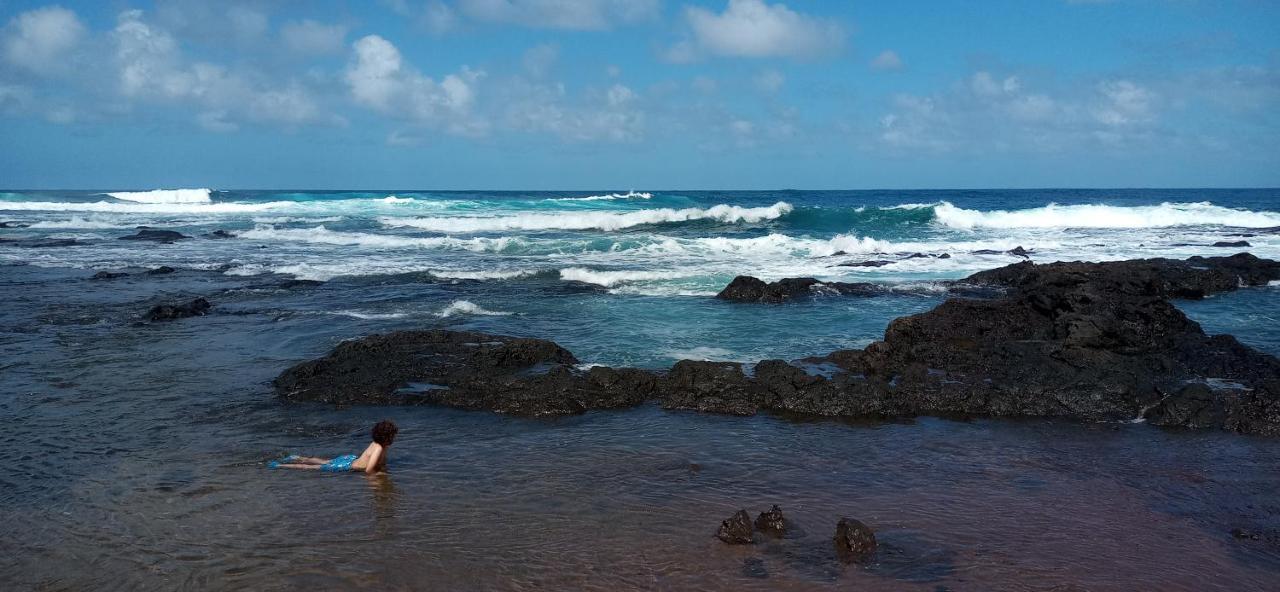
(162, 270)
(13, 225)
(1085, 341)
(220, 233)
(1232, 244)
(108, 275)
(772, 523)
(169, 312)
(854, 541)
(871, 263)
(736, 529)
(160, 236)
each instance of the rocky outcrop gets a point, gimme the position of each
(745, 288)
(170, 312)
(159, 236)
(736, 529)
(772, 523)
(1085, 341)
(855, 542)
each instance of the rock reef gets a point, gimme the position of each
(1083, 341)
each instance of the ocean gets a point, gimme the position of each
(137, 451)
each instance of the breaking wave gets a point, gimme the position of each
(606, 221)
(466, 307)
(610, 279)
(1104, 216)
(165, 196)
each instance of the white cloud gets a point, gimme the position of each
(613, 114)
(990, 112)
(150, 67)
(887, 60)
(40, 39)
(379, 79)
(313, 38)
(769, 81)
(753, 28)
(440, 16)
(539, 59)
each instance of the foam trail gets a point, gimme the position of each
(1104, 216)
(370, 316)
(324, 236)
(609, 279)
(80, 222)
(590, 220)
(608, 197)
(465, 307)
(165, 196)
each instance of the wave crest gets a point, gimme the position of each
(606, 221)
(1104, 216)
(165, 196)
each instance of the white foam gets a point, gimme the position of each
(607, 221)
(482, 275)
(165, 196)
(466, 307)
(324, 236)
(609, 279)
(370, 316)
(608, 196)
(704, 353)
(81, 222)
(1104, 216)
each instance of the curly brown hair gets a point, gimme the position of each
(384, 432)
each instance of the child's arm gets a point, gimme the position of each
(371, 466)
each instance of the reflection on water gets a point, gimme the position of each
(136, 460)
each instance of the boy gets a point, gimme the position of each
(372, 460)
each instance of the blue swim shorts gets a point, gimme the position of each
(342, 463)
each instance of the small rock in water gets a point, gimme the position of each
(854, 540)
(162, 270)
(944, 256)
(1232, 244)
(771, 522)
(107, 275)
(1020, 252)
(736, 530)
(220, 233)
(13, 225)
(169, 312)
(160, 236)
(872, 263)
(1242, 533)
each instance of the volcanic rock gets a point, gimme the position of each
(736, 530)
(771, 523)
(855, 541)
(160, 236)
(1084, 341)
(162, 270)
(1232, 244)
(169, 312)
(107, 275)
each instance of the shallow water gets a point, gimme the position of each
(137, 452)
(137, 462)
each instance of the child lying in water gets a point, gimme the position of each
(372, 460)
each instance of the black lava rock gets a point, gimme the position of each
(736, 530)
(162, 270)
(772, 523)
(107, 275)
(854, 541)
(1232, 244)
(160, 236)
(170, 312)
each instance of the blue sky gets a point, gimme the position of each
(597, 94)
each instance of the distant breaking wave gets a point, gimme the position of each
(610, 279)
(165, 196)
(1103, 216)
(322, 235)
(466, 307)
(606, 221)
(608, 196)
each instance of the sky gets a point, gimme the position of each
(639, 94)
